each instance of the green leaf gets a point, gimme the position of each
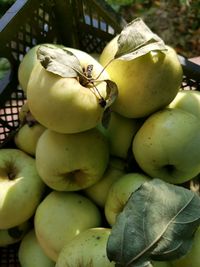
(136, 39)
(59, 61)
(158, 223)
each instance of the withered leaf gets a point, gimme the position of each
(59, 61)
(136, 39)
(112, 93)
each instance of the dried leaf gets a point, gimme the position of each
(136, 39)
(158, 223)
(112, 93)
(106, 118)
(59, 61)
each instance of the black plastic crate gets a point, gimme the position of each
(87, 25)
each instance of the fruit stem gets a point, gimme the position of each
(104, 68)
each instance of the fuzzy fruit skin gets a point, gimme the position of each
(167, 145)
(70, 162)
(30, 253)
(145, 84)
(60, 217)
(20, 184)
(87, 249)
(120, 192)
(63, 104)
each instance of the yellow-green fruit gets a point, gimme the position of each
(21, 188)
(13, 235)
(26, 65)
(167, 145)
(27, 137)
(66, 105)
(71, 162)
(192, 258)
(120, 132)
(120, 192)
(28, 132)
(86, 249)
(188, 100)
(60, 217)
(145, 84)
(31, 254)
(99, 191)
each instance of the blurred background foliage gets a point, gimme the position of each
(177, 22)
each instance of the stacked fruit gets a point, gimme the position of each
(95, 134)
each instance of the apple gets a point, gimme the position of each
(119, 132)
(146, 83)
(69, 162)
(21, 188)
(60, 217)
(14, 234)
(99, 191)
(27, 137)
(120, 192)
(68, 104)
(188, 100)
(191, 259)
(31, 254)
(27, 64)
(28, 132)
(167, 145)
(86, 249)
